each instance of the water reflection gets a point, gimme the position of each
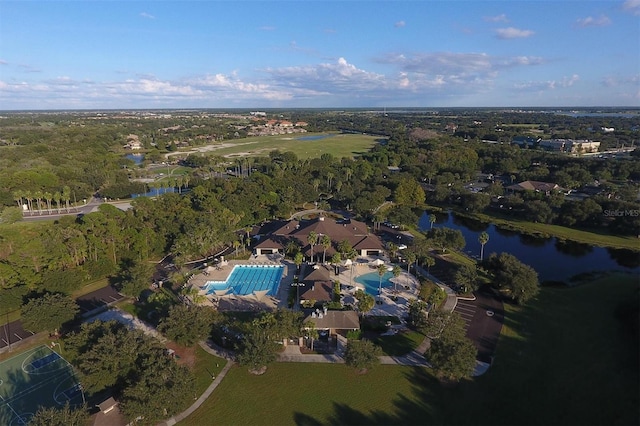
(573, 248)
(551, 258)
(471, 224)
(628, 258)
(534, 241)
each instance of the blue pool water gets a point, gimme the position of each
(245, 279)
(371, 281)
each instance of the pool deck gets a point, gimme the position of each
(346, 277)
(251, 301)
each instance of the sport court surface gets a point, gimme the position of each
(38, 377)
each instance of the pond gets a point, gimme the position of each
(155, 192)
(314, 137)
(136, 158)
(553, 259)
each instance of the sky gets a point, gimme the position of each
(318, 54)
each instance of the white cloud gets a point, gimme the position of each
(498, 18)
(147, 15)
(564, 82)
(327, 77)
(590, 21)
(3, 62)
(399, 24)
(511, 33)
(632, 6)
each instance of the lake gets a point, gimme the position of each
(156, 192)
(553, 259)
(314, 137)
(136, 158)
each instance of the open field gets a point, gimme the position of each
(339, 145)
(565, 359)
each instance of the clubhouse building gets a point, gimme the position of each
(280, 234)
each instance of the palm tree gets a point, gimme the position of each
(312, 239)
(411, 257)
(179, 182)
(396, 273)
(47, 197)
(330, 176)
(66, 196)
(382, 269)
(432, 220)
(236, 245)
(325, 241)
(17, 197)
(57, 197)
(483, 239)
(393, 249)
(316, 184)
(38, 197)
(429, 261)
(28, 197)
(297, 259)
(347, 173)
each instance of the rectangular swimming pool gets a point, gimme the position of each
(247, 279)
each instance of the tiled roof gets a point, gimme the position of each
(342, 320)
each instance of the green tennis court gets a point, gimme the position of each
(38, 377)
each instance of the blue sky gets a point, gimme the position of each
(305, 53)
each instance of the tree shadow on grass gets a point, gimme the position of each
(415, 408)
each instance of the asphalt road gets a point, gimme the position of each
(91, 206)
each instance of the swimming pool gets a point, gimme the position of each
(371, 281)
(246, 279)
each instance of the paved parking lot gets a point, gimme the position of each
(13, 333)
(98, 298)
(483, 319)
(467, 310)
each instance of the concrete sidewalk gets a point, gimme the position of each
(186, 413)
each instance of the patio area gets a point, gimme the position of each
(407, 287)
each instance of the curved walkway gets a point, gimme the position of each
(186, 413)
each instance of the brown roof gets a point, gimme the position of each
(320, 291)
(342, 320)
(356, 232)
(269, 243)
(369, 243)
(532, 185)
(317, 284)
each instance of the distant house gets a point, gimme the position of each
(334, 322)
(525, 141)
(133, 142)
(356, 232)
(532, 185)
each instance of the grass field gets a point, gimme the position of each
(565, 359)
(339, 145)
(38, 377)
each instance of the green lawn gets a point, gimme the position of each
(206, 365)
(400, 343)
(565, 359)
(339, 145)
